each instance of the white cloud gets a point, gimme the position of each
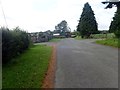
(42, 15)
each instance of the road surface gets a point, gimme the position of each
(84, 64)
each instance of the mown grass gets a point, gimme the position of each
(55, 39)
(27, 70)
(110, 42)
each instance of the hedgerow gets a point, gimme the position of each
(14, 42)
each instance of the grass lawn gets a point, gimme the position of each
(28, 69)
(55, 39)
(110, 42)
(109, 35)
(78, 38)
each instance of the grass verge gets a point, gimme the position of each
(108, 35)
(55, 40)
(27, 70)
(110, 42)
(78, 38)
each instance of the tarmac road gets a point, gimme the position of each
(84, 64)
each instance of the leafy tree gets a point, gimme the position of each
(112, 27)
(115, 24)
(87, 24)
(62, 28)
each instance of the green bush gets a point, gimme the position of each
(108, 35)
(117, 33)
(14, 42)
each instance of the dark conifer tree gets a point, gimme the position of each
(87, 24)
(115, 24)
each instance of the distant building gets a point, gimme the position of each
(56, 35)
(38, 37)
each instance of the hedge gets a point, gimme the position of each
(14, 42)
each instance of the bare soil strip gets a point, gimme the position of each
(48, 82)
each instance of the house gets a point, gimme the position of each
(38, 37)
(56, 35)
(33, 37)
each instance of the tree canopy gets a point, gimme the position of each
(62, 28)
(87, 24)
(115, 23)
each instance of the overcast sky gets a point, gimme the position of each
(42, 15)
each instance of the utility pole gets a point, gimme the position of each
(3, 13)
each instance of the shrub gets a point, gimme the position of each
(117, 33)
(14, 42)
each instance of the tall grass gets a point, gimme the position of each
(110, 42)
(97, 36)
(78, 38)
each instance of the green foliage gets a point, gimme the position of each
(112, 27)
(78, 38)
(98, 36)
(110, 42)
(115, 24)
(76, 33)
(28, 69)
(62, 28)
(55, 40)
(117, 33)
(87, 24)
(14, 42)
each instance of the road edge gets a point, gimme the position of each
(49, 79)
